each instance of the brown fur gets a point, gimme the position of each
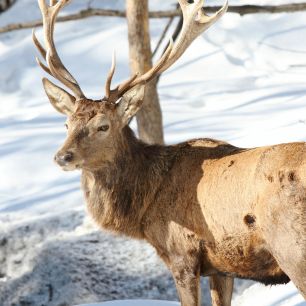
(207, 207)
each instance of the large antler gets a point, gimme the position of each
(55, 66)
(195, 22)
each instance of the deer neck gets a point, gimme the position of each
(119, 193)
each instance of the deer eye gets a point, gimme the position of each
(103, 128)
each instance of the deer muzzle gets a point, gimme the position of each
(63, 159)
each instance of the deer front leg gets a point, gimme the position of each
(187, 281)
(221, 288)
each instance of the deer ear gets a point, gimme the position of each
(130, 103)
(61, 100)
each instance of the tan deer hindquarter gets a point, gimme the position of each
(234, 206)
(207, 207)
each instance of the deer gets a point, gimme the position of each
(207, 207)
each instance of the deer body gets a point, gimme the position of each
(207, 207)
(203, 204)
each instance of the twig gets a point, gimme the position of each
(162, 36)
(90, 12)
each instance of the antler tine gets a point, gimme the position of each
(128, 84)
(56, 67)
(38, 45)
(157, 68)
(110, 77)
(57, 74)
(149, 75)
(43, 66)
(195, 22)
(120, 90)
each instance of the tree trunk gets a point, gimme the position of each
(149, 118)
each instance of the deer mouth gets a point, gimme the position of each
(67, 162)
(70, 167)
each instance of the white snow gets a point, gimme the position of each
(258, 294)
(243, 82)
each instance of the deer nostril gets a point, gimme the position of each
(68, 157)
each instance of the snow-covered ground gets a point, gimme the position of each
(244, 81)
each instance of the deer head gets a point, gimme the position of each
(95, 126)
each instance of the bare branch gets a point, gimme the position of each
(90, 12)
(163, 35)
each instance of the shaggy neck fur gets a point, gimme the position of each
(119, 193)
